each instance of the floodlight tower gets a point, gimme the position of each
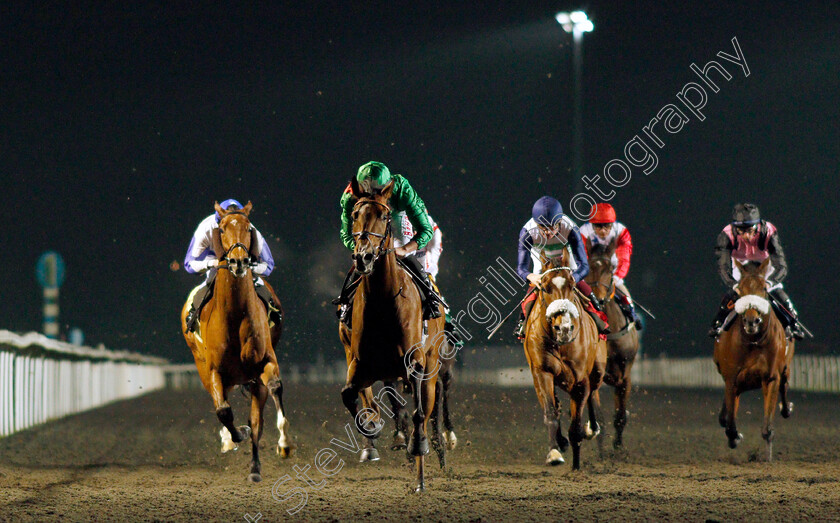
(577, 23)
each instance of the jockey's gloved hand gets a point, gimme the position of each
(259, 268)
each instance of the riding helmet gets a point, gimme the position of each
(547, 211)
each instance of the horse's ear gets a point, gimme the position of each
(355, 189)
(219, 209)
(611, 246)
(387, 190)
(762, 269)
(247, 208)
(740, 267)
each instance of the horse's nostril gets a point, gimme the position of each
(368, 257)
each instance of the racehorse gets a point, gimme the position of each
(387, 341)
(753, 352)
(564, 352)
(234, 343)
(623, 339)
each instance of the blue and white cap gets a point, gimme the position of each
(226, 204)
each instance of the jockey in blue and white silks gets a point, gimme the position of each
(544, 238)
(201, 258)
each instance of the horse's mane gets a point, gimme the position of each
(600, 251)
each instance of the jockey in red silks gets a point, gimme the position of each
(544, 238)
(601, 230)
(749, 239)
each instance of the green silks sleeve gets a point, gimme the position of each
(346, 231)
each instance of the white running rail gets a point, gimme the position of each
(43, 379)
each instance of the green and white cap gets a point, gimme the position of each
(373, 176)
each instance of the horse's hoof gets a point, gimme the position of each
(369, 455)
(733, 442)
(617, 444)
(254, 477)
(786, 412)
(399, 441)
(284, 452)
(554, 458)
(450, 439)
(243, 432)
(418, 446)
(420, 488)
(589, 433)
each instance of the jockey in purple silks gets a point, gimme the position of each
(202, 259)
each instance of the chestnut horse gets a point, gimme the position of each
(234, 344)
(623, 339)
(564, 352)
(754, 353)
(387, 341)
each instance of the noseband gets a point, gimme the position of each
(217, 241)
(363, 235)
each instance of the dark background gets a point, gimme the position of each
(121, 125)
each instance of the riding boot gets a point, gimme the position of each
(345, 297)
(723, 311)
(274, 315)
(789, 316)
(451, 334)
(519, 332)
(596, 304)
(625, 303)
(200, 296)
(603, 328)
(430, 300)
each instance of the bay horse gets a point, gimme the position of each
(387, 342)
(623, 339)
(564, 352)
(753, 352)
(234, 343)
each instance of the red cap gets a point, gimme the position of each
(604, 213)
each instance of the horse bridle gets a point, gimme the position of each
(226, 258)
(610, 289)
(363, 235)
(549, 271)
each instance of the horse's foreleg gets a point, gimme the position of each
(622, 392)
(784, 384)
(544, 385)
(731, 406)
(400, 418)
(770, 390)
(578, 399)
(374, 426)
(223, 411)
(562, 441)
(259, 393)
(436, 421)
(271, 378)
(449, 434)
(593, 428)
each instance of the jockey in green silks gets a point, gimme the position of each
(373, 177)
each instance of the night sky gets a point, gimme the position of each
(120, 127)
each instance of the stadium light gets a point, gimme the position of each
(577, 23)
